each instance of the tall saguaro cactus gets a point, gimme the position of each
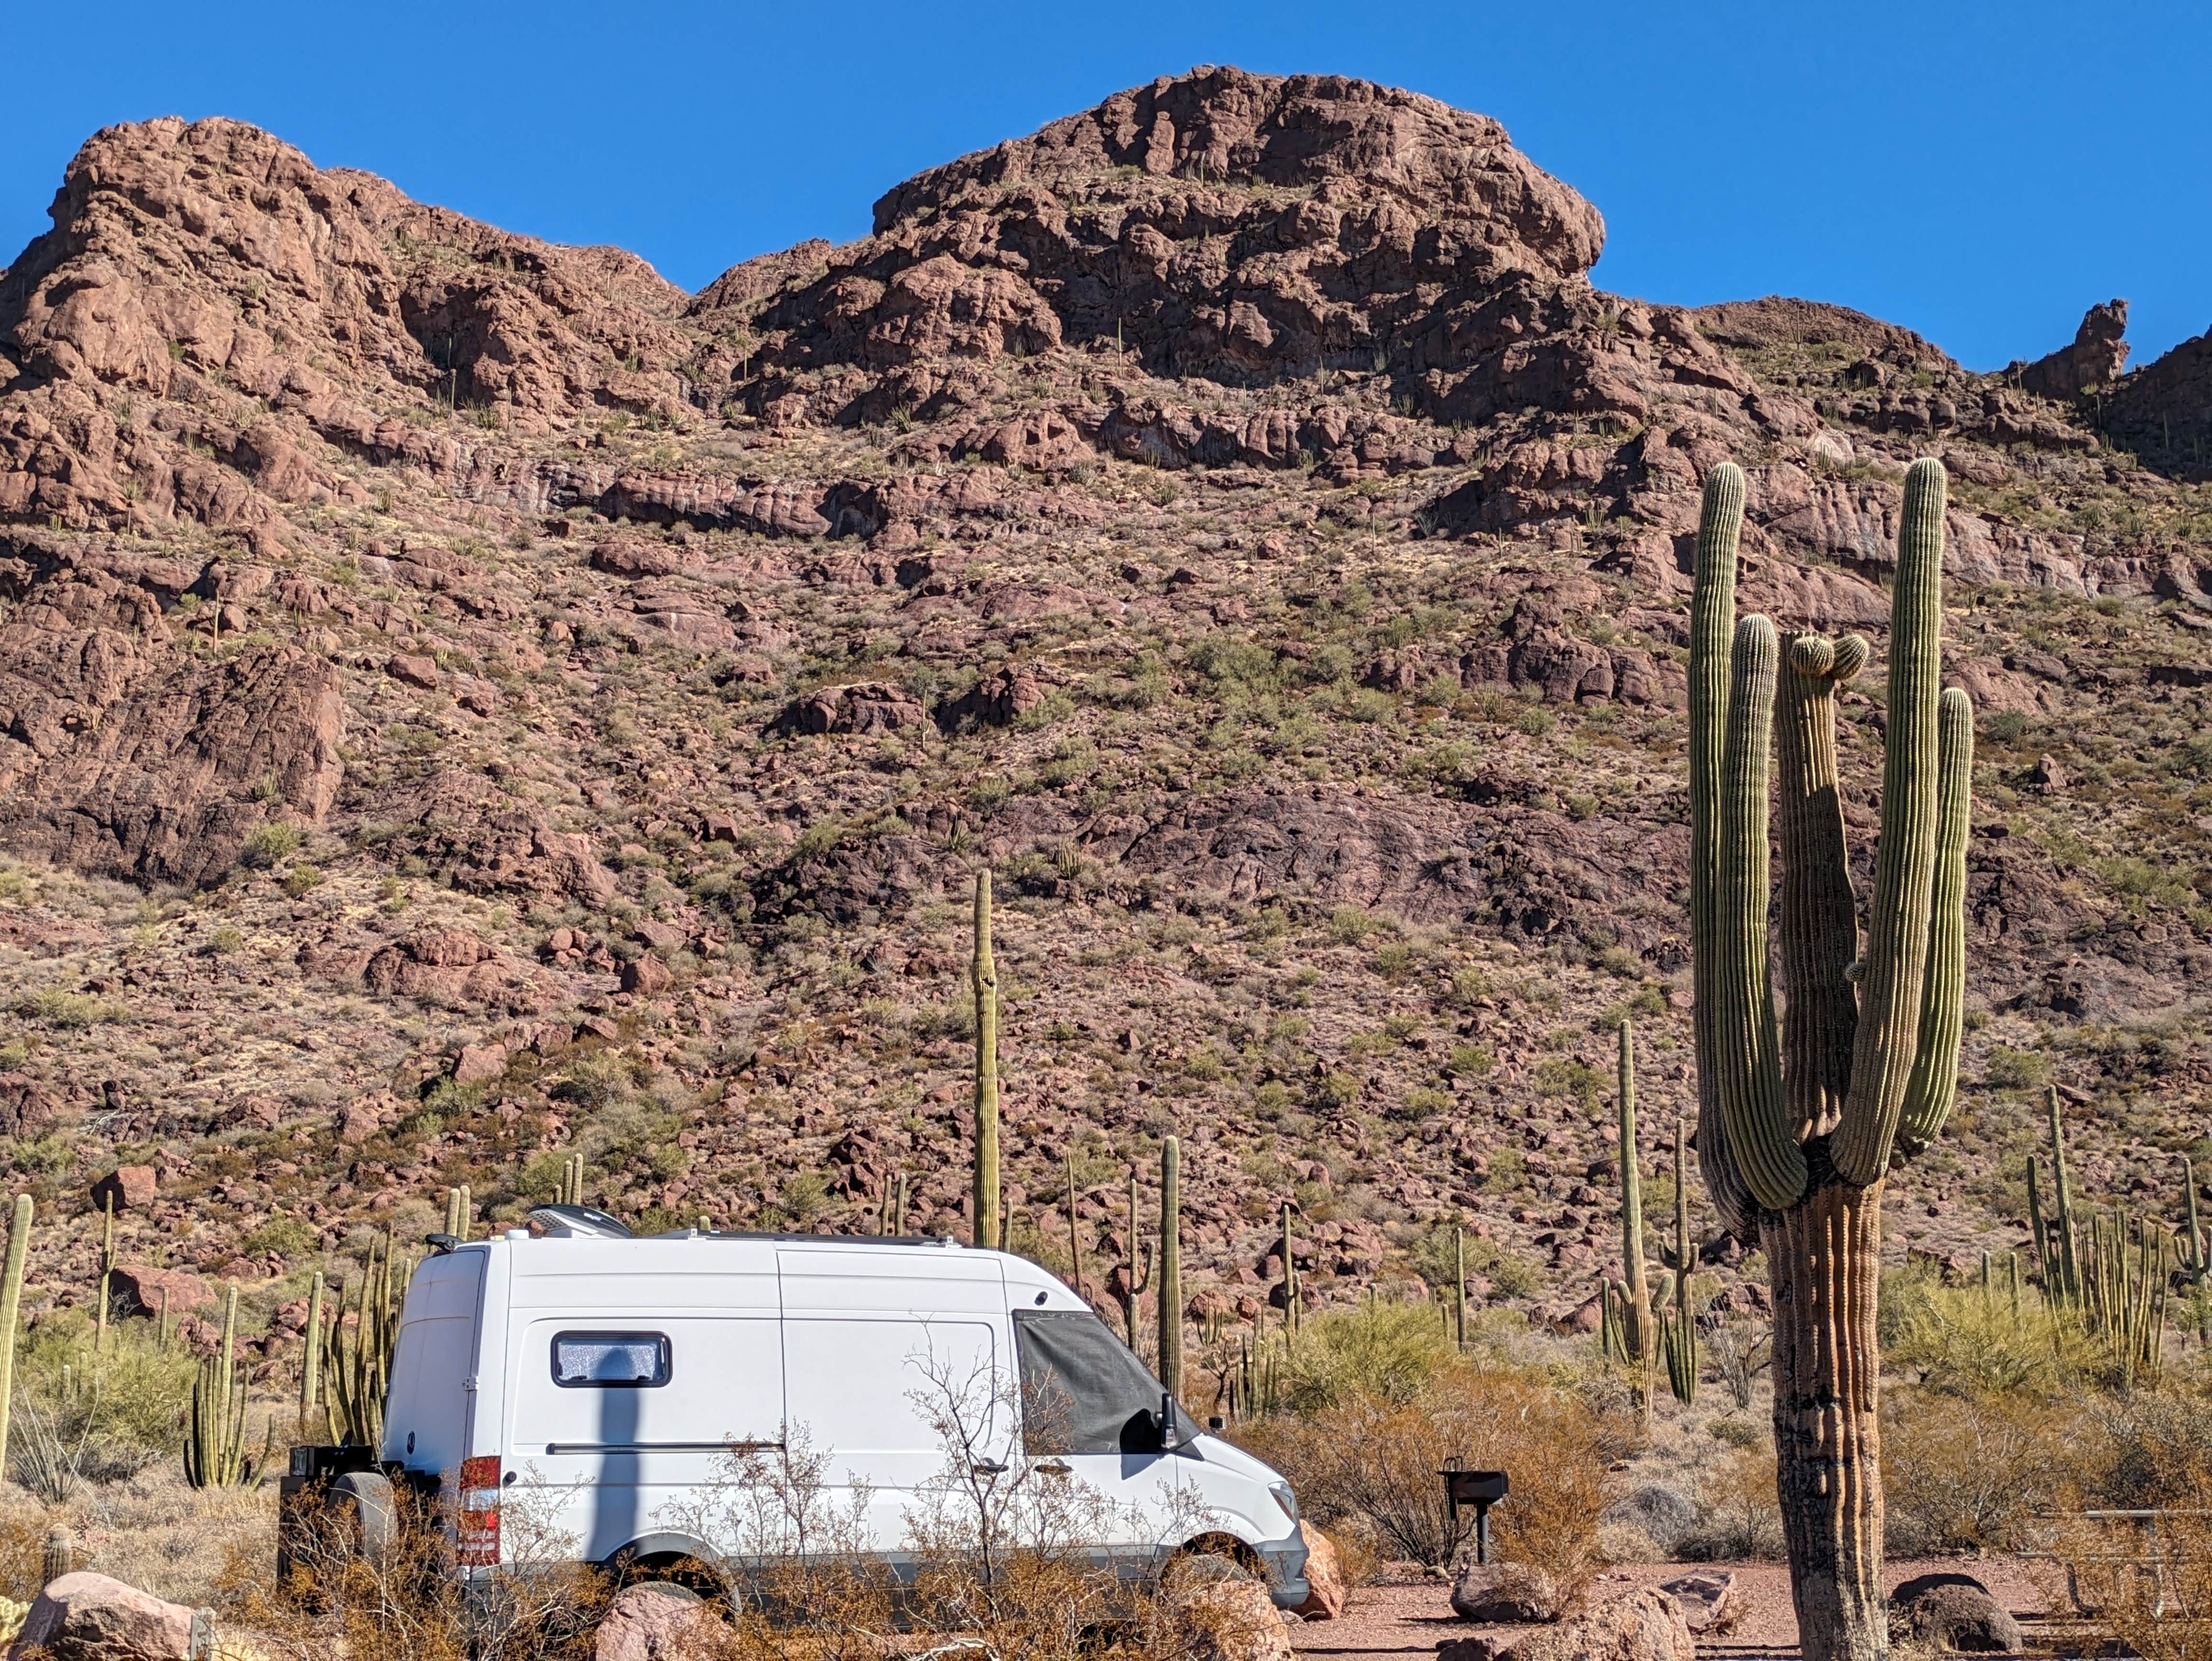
(1171, 1266)
(984, 973)
(11, 1304)
(1635, 1294)
(1798, 1120)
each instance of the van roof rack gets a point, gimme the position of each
(588, 1223)
(575, 1221)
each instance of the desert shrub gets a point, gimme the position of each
(1970, 1472)
(595, 1078)
(266, 844)
(2154, 1449)
(1388, 1351)
(537, 1606)
(1965, 1343)
(287, 1236)
(109, 1412)
(1369, 1464)
(1741, 1516)
(2151, 1589)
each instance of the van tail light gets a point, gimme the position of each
(476, 1534)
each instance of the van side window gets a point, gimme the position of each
(610, 1360)
(1083, 1390)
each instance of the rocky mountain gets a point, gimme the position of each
(462, 700)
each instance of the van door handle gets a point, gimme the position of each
(1057, 1467)
(990, 1468)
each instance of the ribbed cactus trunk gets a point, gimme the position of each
(1801, 1115)
(1636, 1320)
(984, 973)
(1170, 1268)
(11, 1304)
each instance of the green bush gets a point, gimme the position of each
(287, 1236)
(1389, 1351)
(266, 844)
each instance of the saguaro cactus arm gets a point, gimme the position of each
(1905, 858)
(1819, 919)
(1713, 628)
(1933, 1083)
(1744, 1053)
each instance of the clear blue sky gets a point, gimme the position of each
(1979, 172)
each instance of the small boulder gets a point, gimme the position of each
(646, 975)
(1644, 1625)
(479, 1063)
(1324, 1577)
(1505, 1594)
(138, 1289)
(1952, 1612)
(89, 1617)
(1710, 1602)
(1232, 1620)
(133, 1186)
(657, 1620)
(414, 668)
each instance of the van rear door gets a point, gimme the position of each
(433, 1368)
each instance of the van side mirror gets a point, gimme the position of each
(1170, 1437)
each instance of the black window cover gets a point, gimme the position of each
(1082, 1391)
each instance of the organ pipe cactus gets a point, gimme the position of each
(11, 1304)
(983, 972)
(215, 1455)
(1799, 1117)
(1171, 1266)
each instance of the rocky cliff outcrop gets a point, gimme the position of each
(2097, 357)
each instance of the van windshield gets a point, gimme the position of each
(1082, 1391)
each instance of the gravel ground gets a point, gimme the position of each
(1403, 1621)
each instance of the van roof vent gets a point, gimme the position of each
(578, 1222)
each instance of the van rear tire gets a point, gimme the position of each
(364, 1504)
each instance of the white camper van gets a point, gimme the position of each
(603, 1380)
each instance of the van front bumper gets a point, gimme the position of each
(1284, 1561)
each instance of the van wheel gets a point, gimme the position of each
(1214, 1557)
(670, 1568)
(362, 1501)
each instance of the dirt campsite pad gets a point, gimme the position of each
(1401, 1621)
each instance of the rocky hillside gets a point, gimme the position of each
(464, 700)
